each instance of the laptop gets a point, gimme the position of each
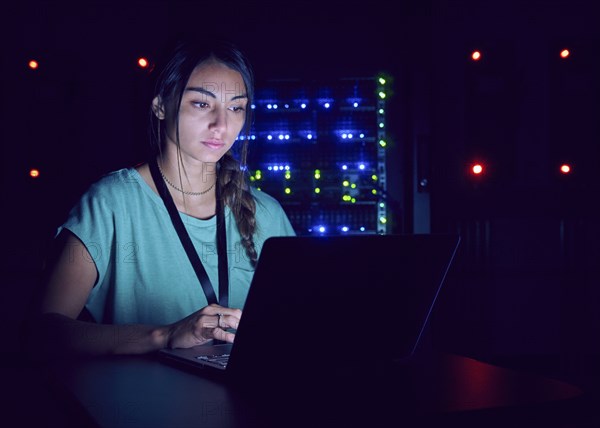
(323, 305)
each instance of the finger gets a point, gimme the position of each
(211, 321)
(216, 309)
(228, 321)
(223, 335)
(218, 321)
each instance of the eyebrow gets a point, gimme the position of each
(210, 94)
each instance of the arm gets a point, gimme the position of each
(57, 331)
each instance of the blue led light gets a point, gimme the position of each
(287, 167)
(349, 135)
(287, 106)
(309, 136)
(321, 229)
(362, 135)
(344, 136)
(269, 106)
(281, 137)
(287, 136)
(303, 105)
(361, 166)
(274, 106)
(269, 137)
(326, 105)
(344, 167)
(345, 228)
(362, 228)
(355, 104)
(253, 106)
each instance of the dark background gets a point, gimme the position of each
(525, 283)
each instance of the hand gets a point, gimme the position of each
(211, 322)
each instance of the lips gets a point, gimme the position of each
(213, 144)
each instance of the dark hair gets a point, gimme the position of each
(232, 178)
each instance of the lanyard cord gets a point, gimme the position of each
(186, 241)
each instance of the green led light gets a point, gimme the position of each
(287, 190)
(353, 200)
(252, 178)
(382, 95)
(382, 143)
(347, 198)
(288, 175)
(374, 191)
(381, 205)
(345, 183)
(353, 186)
(381, 111)
(381, 124)
(382, 220)
(381, 81)
(317, 190)
(259, 189)
(258, 174)
(374, 177)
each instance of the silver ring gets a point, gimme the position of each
(219, 320)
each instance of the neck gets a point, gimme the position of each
(189, 176)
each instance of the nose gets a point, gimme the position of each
(218, 121)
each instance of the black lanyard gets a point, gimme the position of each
(189, 246)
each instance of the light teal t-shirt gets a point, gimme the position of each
(144, 274)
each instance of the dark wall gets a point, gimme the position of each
(527, 277)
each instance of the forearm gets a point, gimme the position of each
(58, 335)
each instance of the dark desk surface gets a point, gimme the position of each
(144, 392)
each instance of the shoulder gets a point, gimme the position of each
(113, 184)
(112, 192)
(265, 202)
(271, 217)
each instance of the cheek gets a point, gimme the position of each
(238, 124)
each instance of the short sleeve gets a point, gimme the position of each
(92, 221)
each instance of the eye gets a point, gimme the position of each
(200, 104)
(237, 109)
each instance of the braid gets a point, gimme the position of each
(236, 194)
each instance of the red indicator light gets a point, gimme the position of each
(565, 169)
(477, 169)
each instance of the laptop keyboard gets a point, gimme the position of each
(215, 359)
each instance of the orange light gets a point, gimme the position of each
(477, 169)
(34, 173)
(565, 169)
(476, 56)
(143, 62)
(33, 64)
(564, 53)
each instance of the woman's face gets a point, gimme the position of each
(212, 112)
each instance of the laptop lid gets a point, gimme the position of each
(321, 305)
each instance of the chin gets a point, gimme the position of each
(211, 158)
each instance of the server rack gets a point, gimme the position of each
(319, 147)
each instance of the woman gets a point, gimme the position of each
(122, 262)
